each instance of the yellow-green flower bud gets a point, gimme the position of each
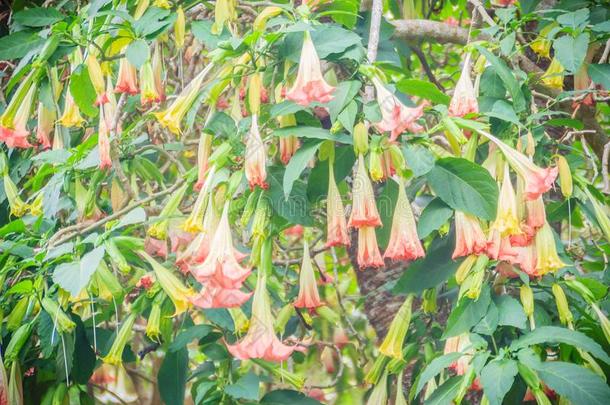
(374, 373)
(429, 301)
(376, 164)
(15, 318)
(565, 177)
(527, 299)
(603, 320)
(254, 93)
(115, 355)
(464, 268)
(392, 344)
(380, 392)
(62, 322)
(565, 315)
(179, 28)
(15, 386)
(283, 317)
(361, 138)
(153, 330)
(18, 206)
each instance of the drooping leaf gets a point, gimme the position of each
(418, 158)
(434, 368)
(75, 276)
(312, 133)
(38, 16)
(82, 90)
(445, 394)
(172, 377)
(510, 311)
(137, 53)
(467, 313)
(578, 384)
(298, 163)
(187, 336)
(18, 44)
(497, 377)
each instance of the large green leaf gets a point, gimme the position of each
(433, 269)
(187, 336)
(510, 312)
(38, 16)
(344, 93)
(497, 377)
(465, 186)
(297, 164)
(578, 384)
(555, 334)
(445, 394)
(423, 89)
(137, 53)
(419, 159)
(571, 51)
(18, 44)
(296, 208)
(75, 276)
(317, 184)
(435, 367)
(82, 90)
(467, 313)
(283, 397)
(312, 133)
(172, 377)
(507, 76)
(246, 387)
(600, 74)
(433, 217)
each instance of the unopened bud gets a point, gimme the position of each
(254, 93)
(565, 315)
(361, 138)
(565, 177)
(179, 28)
(264, 16)
(153, 330)
(62, 322)
(283, 317)
(464, 268)
(376, 165)
(527, 299)
(429, 301)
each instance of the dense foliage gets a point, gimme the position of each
(329, 202)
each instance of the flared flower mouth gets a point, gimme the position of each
(256, 157)
(364, 209)
(469, 237)
(308, 290)
(368, 249)
(464, 100)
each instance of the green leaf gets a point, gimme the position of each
(418, 158)
(465, 186)
(75, 276)
(317, 184)
(575, 19)
(202, 30)
(571, 52)
(600, 74)
(84, 356)
(187, 336)
(298, 163)
(433, 217)
(344, 12)
(555, 334)
(489, 323)
(511, 312)
(344, 93)
(18, 44)
(283, 397)
(433, 269)
(137, 53)
(296, 208)
(507, 77)
(172, 377)
(153, 20)
(445, 394)
(467, 313)
(82, 90)
(497, 377)
(423, 89)
(566, 122)
(246, 387)
(347, 117)
(284, 108)
(38, 16)
(578, 384)
(312, 133)
(434, 368)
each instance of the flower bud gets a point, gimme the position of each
(565, 315)
(603, 321)
(262, 18)
(361, 138)
(15, 385)
(20, 336)
(254, 93)
(153, 330)
(280, 373)
(377, 368)
(18, 206)
(224, 13)
(375, 164)
(581, 289)
(115, 354)
(464, 268)
(17, 314)
(527, 299)
(565, 176)
(530, 148)
(179, 28)
(141, 7)
(429, 301)
(392, 344)
(62, 322)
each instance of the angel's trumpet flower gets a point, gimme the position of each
(213, 295)
(71, 116)
(103, 141)
(256, 157)
(203, 155)
(499, 247)
(157, 67)
(127, 81)
(179, 28)
(17, 205)
(45, 125)
(507, 221)
(542, 45)
(546, 251)
(310, 85)
(149, 92)
(172, 116)
(13, 122)
(364, 210)
(194, 222)
(404, 242)
(335, 214)
(115, 354)
(368, 250)
(392, 344)
(469, 237)
(553, 77)
(464, 100)
(396, 117)
(117, 384)
(308, 289)
(225, 11)
(288, 147)
(97, 79)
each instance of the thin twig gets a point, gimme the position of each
(426, 66)
(605, 175)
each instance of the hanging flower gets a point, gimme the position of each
(368, 250)
(392, 344)
(172, 116)
(71, 116)
(507, 221)
(469, 237)
(194, 222)
(103, 141)
(116, 382)
(213, 295)
(203, 155)
(115, 354)
(310, 85)
(457, 344)
(336, 231)
(546, 251)
(364, 210)
(256, 157)
(464, 100)
(499, 247)
(127, 81)
(526, 259)
(288, 147)
(171, 285)
(308, 289)
(149, 92)
(537, 180)
(157, 68)
(97, 79)
(542, 45)
(13, 122)
(45, 125)
(553, 77)
(404, 242)
(222, 264)
(396, 117)
(17, 205)
(261, 342)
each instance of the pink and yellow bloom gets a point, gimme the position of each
(507, 220)
(256, 157)
(368, 250)
(464, 100)
(547, 259)
(71, 116)
(103, 141)
(469, 237)
(336, 231)
(45, 125)
(364, 210)
(13, 122)
(127, 81)
(310, 85)
(308, 289)
(203, 155)
(396, 117)
(149, 93)
(97, 79)
(404, 242)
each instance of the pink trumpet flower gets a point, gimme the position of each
(45, 125)
(368, 250)
(310, 85)
(538, 180)
(336, 233)
(261, 342)
(500, 248)
(364, 210)
(213, 295)
(396, 117)
(222, 263)
(256, 157)
(203, 154)
(404, 242)
(469, 237)
(308, 289)
(127, 81)
(103, 141)
(464, 100)
(13, 122)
